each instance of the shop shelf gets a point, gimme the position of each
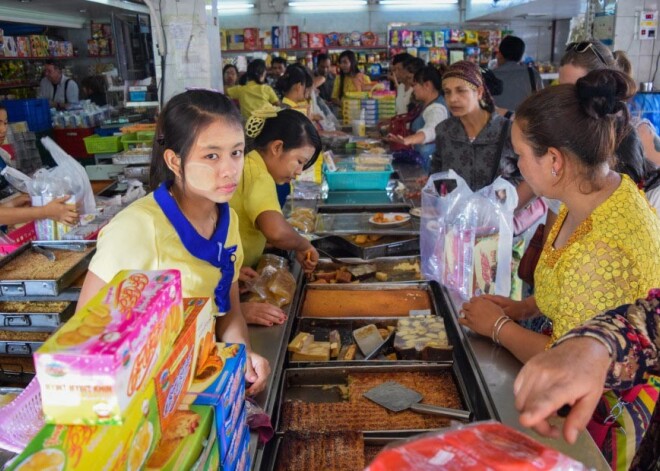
(96, 144)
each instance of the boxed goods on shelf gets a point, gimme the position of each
(221, 384)
(91, 370)
(82, 447)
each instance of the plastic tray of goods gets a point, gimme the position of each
(368, 246)
(45, 315)
(357, 271)
(29, 271)
(345, 179)
(96, 144)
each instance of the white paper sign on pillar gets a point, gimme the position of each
(648, 25)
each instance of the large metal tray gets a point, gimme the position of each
(358, 223)
(51, 287)
(16, 370)
(20, 347)
(386, 246)
(359, 201)
(384, 265)
(321, 328)
(380, 287)
(320, 385)
(49, 320)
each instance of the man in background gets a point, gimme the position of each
(323, 69)
(60, 91)
(277, 69)
(519, 80)
(397, 75)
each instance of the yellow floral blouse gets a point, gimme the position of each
(611, 259)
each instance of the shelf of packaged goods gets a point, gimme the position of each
(34, 58)
(5, 86)
(101, 56)
(316, 49)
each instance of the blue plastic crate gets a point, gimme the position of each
(36, 111)
(354, 180)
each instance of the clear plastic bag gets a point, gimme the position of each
(466, 237)
(274, 286)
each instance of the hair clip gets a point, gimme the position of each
(257, 120)
(192, 89)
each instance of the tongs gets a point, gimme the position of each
(68, 246)
(341, 261)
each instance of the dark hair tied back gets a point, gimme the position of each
(604, 93)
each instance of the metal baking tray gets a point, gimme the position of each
(386, 246)
(16, 369)
(20, 347)
(45, 319)
(361, 201)
(377, 288)
(320, 385)
(50, 287)
(358, 223)
(384, 265)
(321, 328)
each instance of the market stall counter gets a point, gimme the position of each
(499, 369)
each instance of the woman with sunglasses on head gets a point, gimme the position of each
(604, 249)
(186, 223)
(285, 143)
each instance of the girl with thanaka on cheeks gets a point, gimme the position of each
(285, 144)
(186, 223)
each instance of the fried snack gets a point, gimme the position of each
(33, 307)
(360, 239)
(358, 303)
(69, 339)
(360, 414)
(33, 266)
(327, 452)
(90, 330)
(25, 336)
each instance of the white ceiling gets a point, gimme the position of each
(66, 8)
(537, 10)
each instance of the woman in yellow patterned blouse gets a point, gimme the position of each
(604, 249)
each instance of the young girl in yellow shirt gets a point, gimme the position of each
(186, 223)
(256, 93)
(294, 86)
(285, 144)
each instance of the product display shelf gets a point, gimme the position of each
(309, 49)
(36, 58)
(21, 84)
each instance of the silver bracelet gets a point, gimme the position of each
(496, 324)
(499, 328)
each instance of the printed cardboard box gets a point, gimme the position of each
(237, 452)
(175, 376)
(183, 441)
(251, 38)
(209, 460)
(23, 46)
(91, 369)
(84, 447)
(225, 391)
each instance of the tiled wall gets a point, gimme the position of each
(642, 54)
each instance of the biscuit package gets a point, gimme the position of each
(91, 369)
(224, 389)
(175, 376)
(83, 447)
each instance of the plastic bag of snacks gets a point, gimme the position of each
(275, 285)
(466, 237)
(478, 446)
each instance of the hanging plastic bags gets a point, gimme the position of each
(467, 237)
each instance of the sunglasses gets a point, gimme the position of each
(584, 46)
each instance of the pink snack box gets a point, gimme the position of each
(90, 370)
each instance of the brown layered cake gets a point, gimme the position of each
(421, 338)
(361, 414)
(321, 451)
(364, 303)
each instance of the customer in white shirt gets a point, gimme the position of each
(427, 85)
(403, 90)
(60, 91)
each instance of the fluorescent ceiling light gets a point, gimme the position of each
(28, 14)
(418, 2)
(327, 4)
(123, 5)
(231, 6)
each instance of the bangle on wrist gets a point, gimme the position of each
(499, 328)
(502, 318)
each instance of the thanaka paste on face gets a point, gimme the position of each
(200, 176)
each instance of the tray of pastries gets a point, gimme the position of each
(45, 315)
(391, 269)
(44, 268)
(358, 301)
(332, 399)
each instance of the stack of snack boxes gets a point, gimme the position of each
(114, 377)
